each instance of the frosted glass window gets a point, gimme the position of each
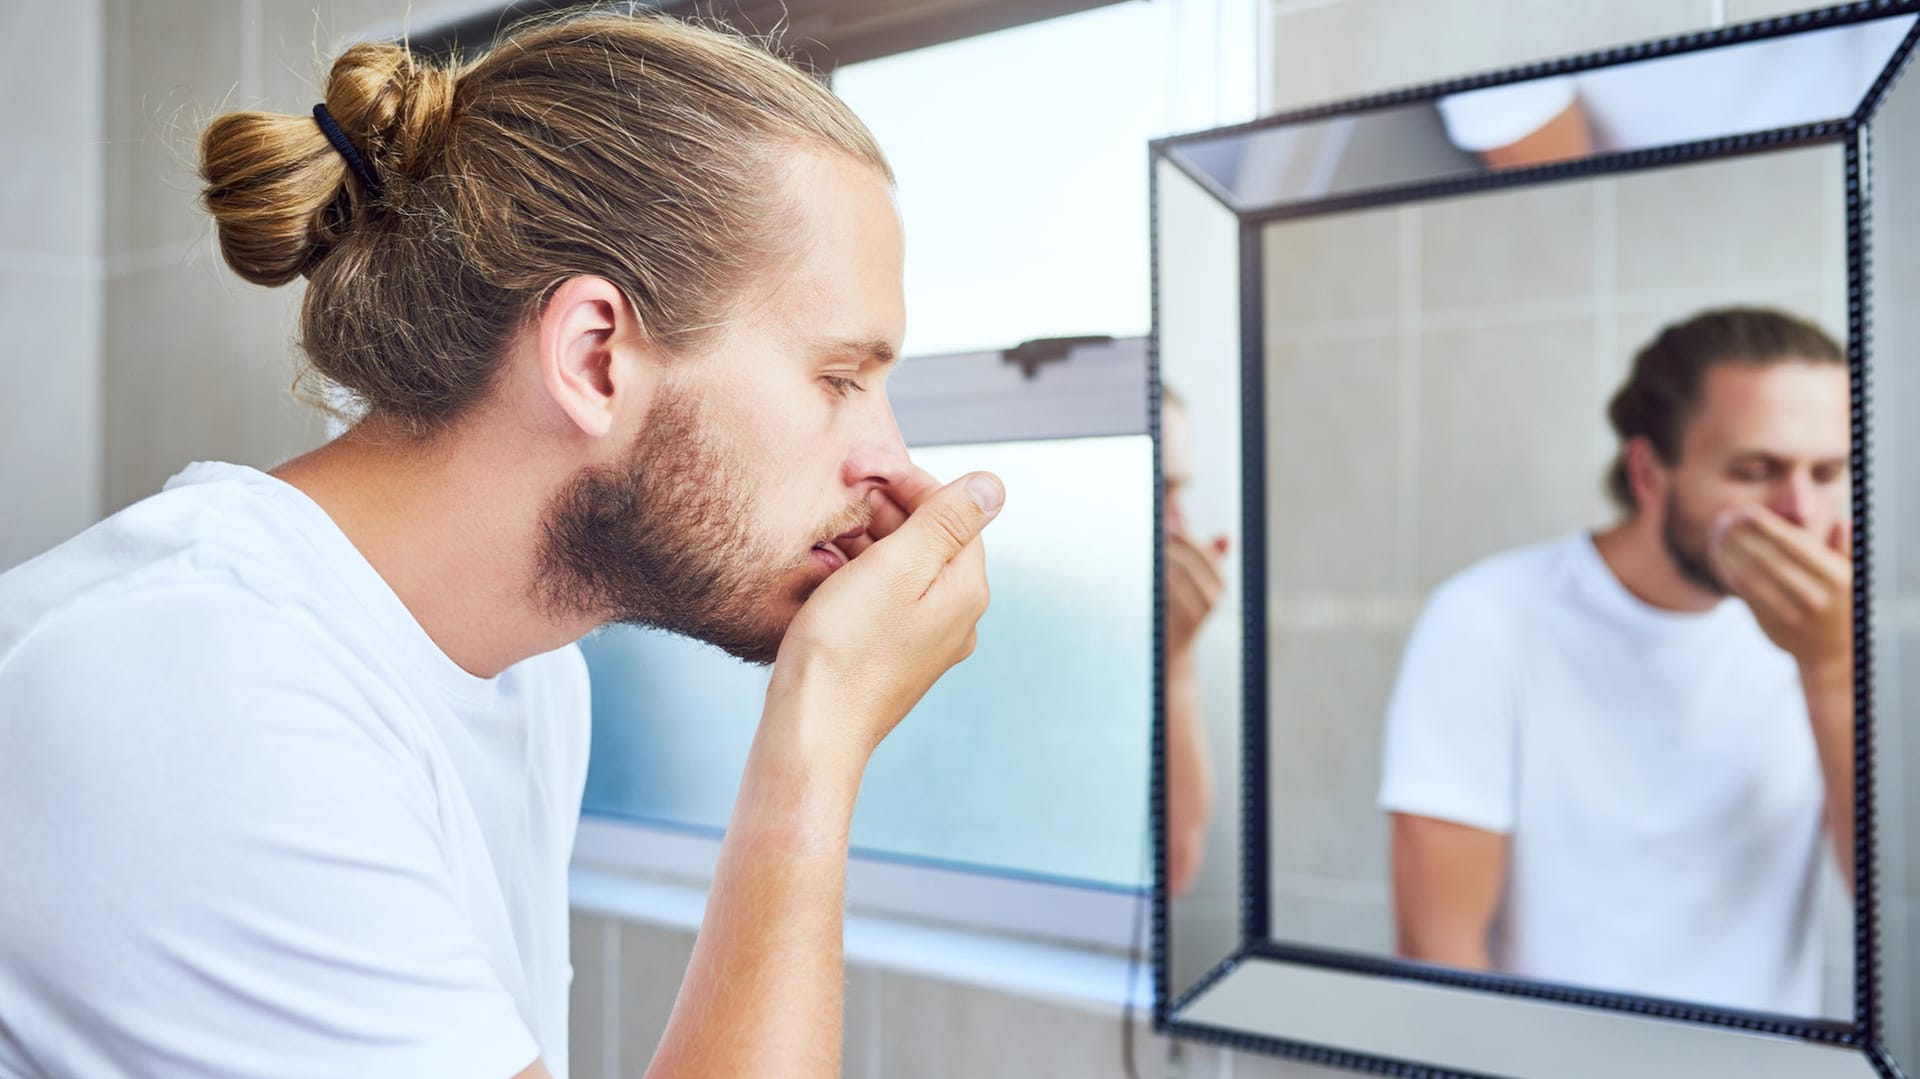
(1020, 760)
(1023, 178)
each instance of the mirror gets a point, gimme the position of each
(1515, 725)
(1200, 502)
(1892, 204)
(1743, 87)
(1513, 511)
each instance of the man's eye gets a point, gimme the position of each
(843, 386)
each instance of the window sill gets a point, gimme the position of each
(1081, 977)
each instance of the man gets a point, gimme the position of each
(1613, 759)
(1193, 588)
(290, 763)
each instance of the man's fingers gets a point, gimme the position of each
(1183, 556)
(918, 486)
(943, 524)
(1759, 570)
(1794, 542)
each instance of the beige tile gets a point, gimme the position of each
(586, 1030)
(1328, 51)
(1333, 466)
(940, 1030)
(860, 1024)
(1364, 927)
(50, 187)
(169, 69)
(49, 411)
(298, 41)
(1521, 245)
(653, 961)
(1246, 1065)
(1743, 11)
(1744, 221)
(1327, 697)
(197, 366)
(1331, 269)
(1506, 452)
(1203, 930)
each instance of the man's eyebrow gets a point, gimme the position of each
(874, 348)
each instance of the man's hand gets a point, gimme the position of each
(877, 634)
(890, 509)
(1194, 586)
(1799, 588)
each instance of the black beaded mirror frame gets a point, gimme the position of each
(1853, 134)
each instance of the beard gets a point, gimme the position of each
(662, 539)
(1685, 538)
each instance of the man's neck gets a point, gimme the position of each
(454, 530)
(1637, 555)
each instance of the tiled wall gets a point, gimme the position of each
(50, 274)
(897, 1024)
(131, 350)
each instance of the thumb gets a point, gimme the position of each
(943, 523)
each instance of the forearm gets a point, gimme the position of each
(1829, 691)
(1189, 777)
(762, 994)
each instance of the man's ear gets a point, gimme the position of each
(1646, 473)
(583, 332)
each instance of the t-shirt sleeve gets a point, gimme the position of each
(1451, 729)
(1487, 119)
(222, 861)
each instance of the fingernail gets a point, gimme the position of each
(986, 491)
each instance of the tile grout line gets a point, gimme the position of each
(610, 998)
(1408, 401)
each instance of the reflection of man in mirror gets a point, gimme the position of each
(1612, 759)
(1193, 587)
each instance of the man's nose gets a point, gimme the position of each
(879, 456)
(1791, 498)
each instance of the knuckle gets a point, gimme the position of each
(951, 521)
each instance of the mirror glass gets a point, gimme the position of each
(1731, 90)
(1557, 510)
(1893, 203)
(1200, 450)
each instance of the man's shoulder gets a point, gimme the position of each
(1501, 584)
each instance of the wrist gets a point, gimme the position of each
(1181, 665)
(1828, 674)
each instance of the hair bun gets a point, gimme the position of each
(395, 107)
(282, 197)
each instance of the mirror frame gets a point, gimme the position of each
(1853, 133)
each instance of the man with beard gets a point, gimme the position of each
(1617, 759)
(291, 761)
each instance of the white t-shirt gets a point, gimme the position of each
(255, 823)
(1655, 770)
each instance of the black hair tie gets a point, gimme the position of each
(340, 142)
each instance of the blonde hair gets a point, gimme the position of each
(639, 148)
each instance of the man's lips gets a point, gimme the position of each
(829, 552)
(830, 555)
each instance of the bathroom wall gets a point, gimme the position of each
(51, 274)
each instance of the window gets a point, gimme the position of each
(1021, 158)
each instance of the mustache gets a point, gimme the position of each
(859, 515)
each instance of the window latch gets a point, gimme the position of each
(1028, 356)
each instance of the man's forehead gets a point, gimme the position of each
(1800, 397)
